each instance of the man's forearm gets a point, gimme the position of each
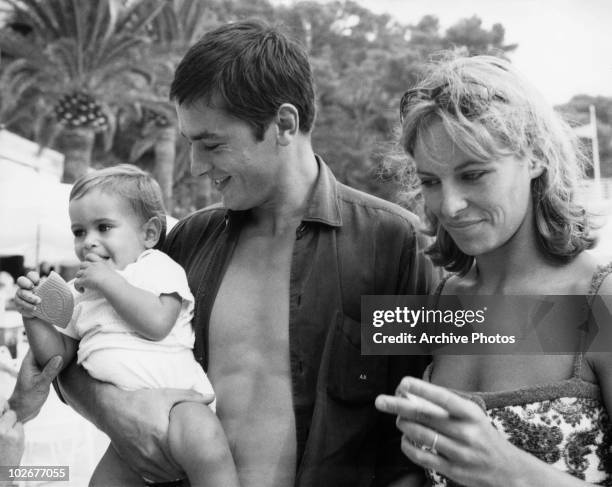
(82, 393)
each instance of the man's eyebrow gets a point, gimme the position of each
(202, 135)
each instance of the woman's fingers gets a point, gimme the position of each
(454, 404)
(412, 408)
(423, 457)
(426, 438)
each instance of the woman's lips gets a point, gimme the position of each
(462, 225)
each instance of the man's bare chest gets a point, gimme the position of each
(250, 314)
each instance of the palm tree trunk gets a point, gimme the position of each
(77, 146)
(165, 154)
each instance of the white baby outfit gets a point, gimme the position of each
(111, 352)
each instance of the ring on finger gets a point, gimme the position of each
(434, 443)
(432, 448)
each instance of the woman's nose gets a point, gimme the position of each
(453, 201)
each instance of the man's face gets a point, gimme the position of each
(224, 148)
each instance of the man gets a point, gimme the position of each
(278, 271)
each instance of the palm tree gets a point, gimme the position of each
(179, 25)
(80, 59)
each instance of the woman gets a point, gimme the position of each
(498, 170)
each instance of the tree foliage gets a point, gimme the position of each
(79, 59)
(362, 63)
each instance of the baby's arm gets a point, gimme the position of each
(45, 341)
(147, 314)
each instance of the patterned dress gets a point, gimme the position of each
(564, 423)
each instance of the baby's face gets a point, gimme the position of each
(105, 225)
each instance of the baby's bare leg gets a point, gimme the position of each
(198, 444)
(112, 471)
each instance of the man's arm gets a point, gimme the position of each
(135, 421)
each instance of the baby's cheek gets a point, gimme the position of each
(78, 250)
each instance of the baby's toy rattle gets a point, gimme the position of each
(57, 302)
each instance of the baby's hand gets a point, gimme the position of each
(25, 299)
(94, 273)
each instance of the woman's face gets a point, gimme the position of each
(482, 205)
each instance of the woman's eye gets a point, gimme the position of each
(428, 183)
(211, 147)
(473, 175)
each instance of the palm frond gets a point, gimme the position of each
(139, 14)
(98, 18)
(19, 46)
(40, 15)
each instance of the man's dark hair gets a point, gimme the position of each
(253, 68)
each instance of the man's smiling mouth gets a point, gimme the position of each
(220, 182)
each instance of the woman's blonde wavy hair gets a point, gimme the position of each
(489, 110)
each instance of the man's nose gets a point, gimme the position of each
(200, 163)
(453, 201)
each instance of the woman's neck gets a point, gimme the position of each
(509, 268)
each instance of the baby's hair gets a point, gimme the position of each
(131, 183)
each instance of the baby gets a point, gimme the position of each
(131, 324)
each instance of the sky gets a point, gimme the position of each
(565, 46)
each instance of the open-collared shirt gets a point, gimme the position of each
(348, 244)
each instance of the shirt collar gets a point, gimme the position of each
(323, 205)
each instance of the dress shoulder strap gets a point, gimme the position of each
(599, 275)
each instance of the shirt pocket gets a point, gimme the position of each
(352, 377)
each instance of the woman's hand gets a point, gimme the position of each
(451, 435)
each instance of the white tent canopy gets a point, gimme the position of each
(34, 218)
(33, 203)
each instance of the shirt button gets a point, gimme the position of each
(301, 230)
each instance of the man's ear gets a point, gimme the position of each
(152, 231)
(287, 122)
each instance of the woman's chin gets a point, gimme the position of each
(473, 249)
